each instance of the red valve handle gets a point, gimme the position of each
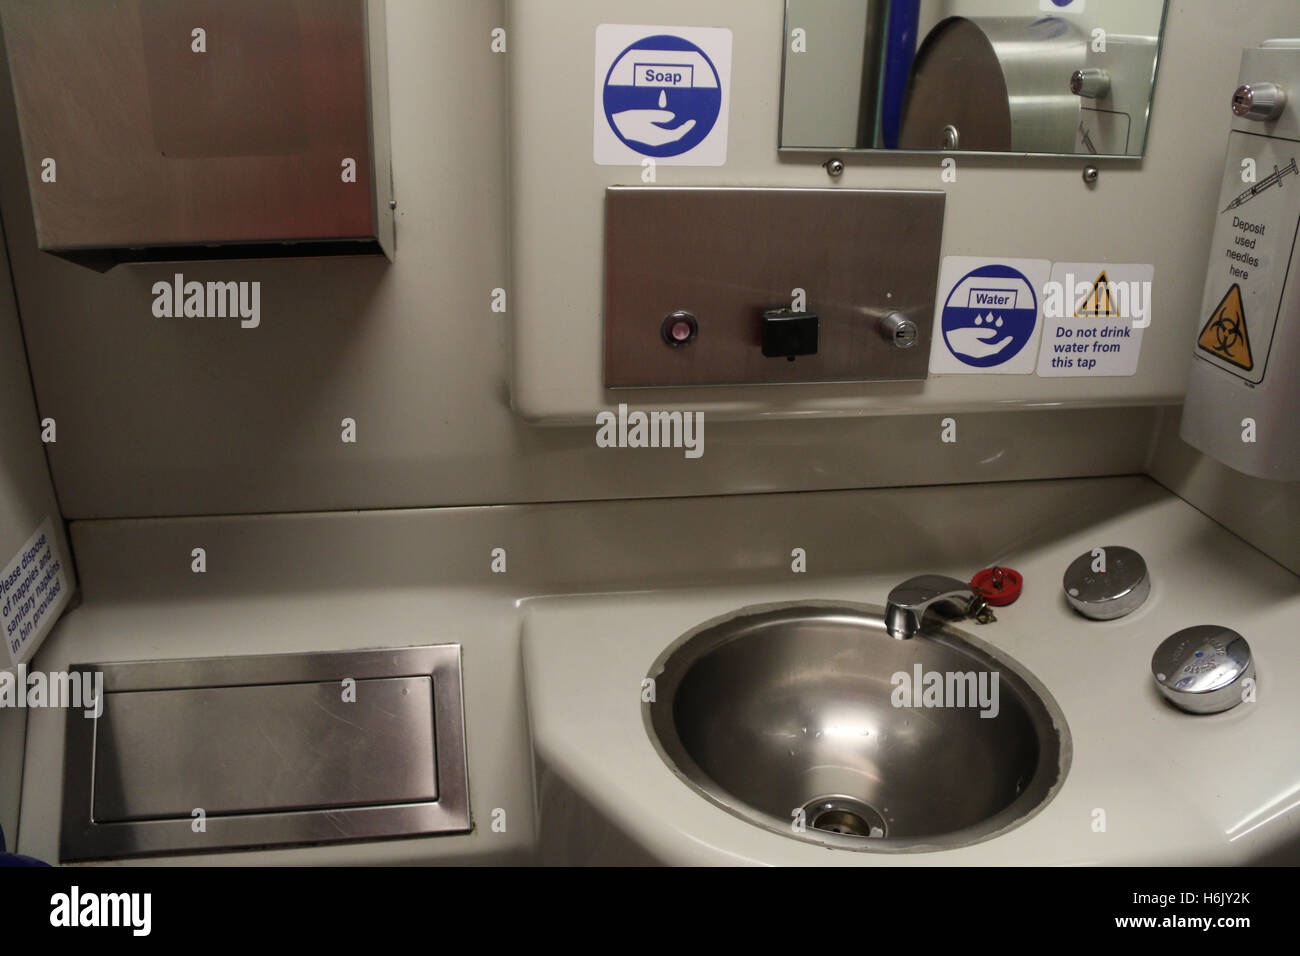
(998, 586)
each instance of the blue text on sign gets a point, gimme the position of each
(992, 299)
(664, 74)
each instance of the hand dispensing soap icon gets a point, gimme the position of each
(989, 316)
(662, 96)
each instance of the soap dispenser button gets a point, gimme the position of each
(787, 333)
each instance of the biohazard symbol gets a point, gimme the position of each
(1225, 336)
(1098, 303)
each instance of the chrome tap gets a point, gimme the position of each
(909, 601)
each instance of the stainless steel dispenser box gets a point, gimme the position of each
(158, 130)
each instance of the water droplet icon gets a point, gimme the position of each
(663, 98)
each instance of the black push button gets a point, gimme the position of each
(787, 333)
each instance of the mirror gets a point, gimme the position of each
(1059, 77)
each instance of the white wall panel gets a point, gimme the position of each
(1158, 210)
(195, 416)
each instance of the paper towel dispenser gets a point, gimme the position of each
(1244, 385)
(160, 130)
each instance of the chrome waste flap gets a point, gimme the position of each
(268, 751)
(264, 749)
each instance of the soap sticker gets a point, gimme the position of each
(987, 315)
(33, 590)
(1093, 317)
(662, 93)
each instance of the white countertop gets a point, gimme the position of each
(1175, 788)
(597, 590)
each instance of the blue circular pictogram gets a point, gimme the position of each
(662, 96)
(989, 316)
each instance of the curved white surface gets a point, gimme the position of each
(1175, 789)
(598, 589)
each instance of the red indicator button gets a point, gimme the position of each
(679, 328)
(998, 586)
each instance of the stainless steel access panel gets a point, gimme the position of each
(724, 256)
(266, 751)
(160, 130)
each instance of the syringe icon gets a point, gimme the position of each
(1272, 179)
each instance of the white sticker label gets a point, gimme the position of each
(33, 590)
(1093, 317)
(1254, 239)
(662, 93)
(987, 315)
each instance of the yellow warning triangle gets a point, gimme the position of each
(1225, 335)
(1098, 302)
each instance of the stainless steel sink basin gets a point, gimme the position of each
(795, 718)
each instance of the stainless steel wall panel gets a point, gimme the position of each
(725, 255)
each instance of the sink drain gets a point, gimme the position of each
(845, 816)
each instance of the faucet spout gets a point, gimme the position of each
(908, 602)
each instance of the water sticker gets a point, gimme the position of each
(987, 315)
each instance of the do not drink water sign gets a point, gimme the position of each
(1094, 316)
(1026, 316)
